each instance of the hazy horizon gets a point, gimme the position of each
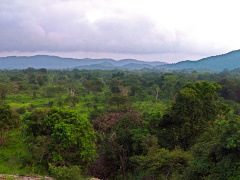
(103, 57)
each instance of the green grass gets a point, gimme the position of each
(14, 155)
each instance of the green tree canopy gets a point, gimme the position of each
(60, 137)
(3, 92)
(193, 110)
(216, 155)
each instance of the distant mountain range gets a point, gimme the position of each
(54, 62)
(230, 61)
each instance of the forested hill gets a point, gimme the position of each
(54, 62)
(230, 60)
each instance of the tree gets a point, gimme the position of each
(94, 85)
(60, 137)
(170, 85)
(155, 91)
(193, 110)
(124, 90)
(160, 163)
(3, 92)
(31, 78)
(118, 130)
(43, 71)
(119, 100)
(72, 100)
(114, 85)
(216, 155)
(14, 87)
(134, 89)
(40, 80)
(8, 121)
(52, 91)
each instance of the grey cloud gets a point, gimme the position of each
(37, 28)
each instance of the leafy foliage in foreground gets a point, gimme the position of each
(59, 137)
(8, 121)
(65, 172)
(216, 154)
(160, 162)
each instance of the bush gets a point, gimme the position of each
(65, 173)
(21, 110)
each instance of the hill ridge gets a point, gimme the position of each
(230, 60)
(56, 62)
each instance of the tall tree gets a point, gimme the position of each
(193, 110)
(118, 132)
(14, 87)
(3, 92)
(114, 85)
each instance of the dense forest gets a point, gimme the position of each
(113, 124)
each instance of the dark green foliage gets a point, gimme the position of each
(60, 137)
(21, 110)
(230, 90)
(3, 92)
(119, 100)
(160, 163)
(114, 85)
(94, 85)
(118, 74)
(193, 110)
(40, 80)
(119, 141)
(217, 152)
(8, 121)
(65, 173)
(31, 78)
(72, 100)
(43, 71)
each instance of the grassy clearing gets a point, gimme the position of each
(14, 156)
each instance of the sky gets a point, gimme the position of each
(149, 30)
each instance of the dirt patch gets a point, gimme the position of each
(23, 177)
(26, 177)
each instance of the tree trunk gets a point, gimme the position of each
(72, 92)
(173, 95)
(1, 138)
(123, 166)
(4, 139)
(156, 94)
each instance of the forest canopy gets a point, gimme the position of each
(112, 124)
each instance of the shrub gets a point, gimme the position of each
(65, 173)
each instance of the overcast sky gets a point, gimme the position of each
(152, 30)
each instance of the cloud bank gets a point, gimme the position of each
(107, 27)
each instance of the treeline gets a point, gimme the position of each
(120, 124)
